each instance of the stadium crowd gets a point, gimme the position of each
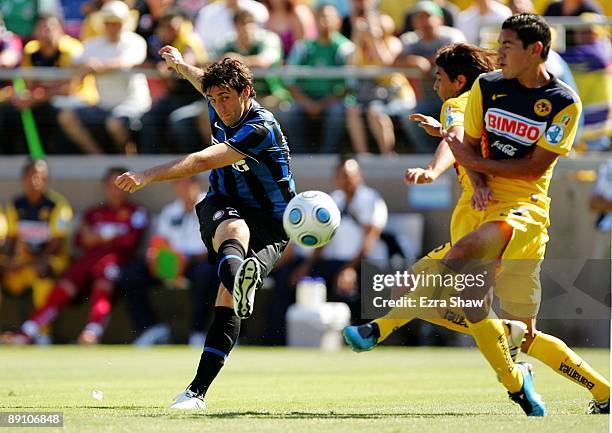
(121, 98)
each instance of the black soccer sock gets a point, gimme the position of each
(231, 255)
(220, 339)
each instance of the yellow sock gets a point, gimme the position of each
(491, 339)
(555, 353)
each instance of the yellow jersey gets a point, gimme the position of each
(452, 114)
(510, 120)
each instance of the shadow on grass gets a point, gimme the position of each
(161, 412)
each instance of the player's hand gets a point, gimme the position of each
(482, 197)
(132, 181)
(428, 123)
(346, 281)
(172, 56)
(414, 176)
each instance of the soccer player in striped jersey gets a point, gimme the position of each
(241, 216)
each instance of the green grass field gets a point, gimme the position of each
(284, 390)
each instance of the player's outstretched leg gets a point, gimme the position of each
(556, 354)
(220, 340)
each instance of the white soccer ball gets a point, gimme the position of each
(311, 219)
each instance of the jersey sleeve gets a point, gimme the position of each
(559, 136)
(473, 119)
(251, 140)
(12, 220)
(60, 220)
(452, 113)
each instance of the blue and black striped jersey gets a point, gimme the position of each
(263, 179)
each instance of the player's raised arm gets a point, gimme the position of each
(174, 60)
(219, 155)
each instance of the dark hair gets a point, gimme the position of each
(31, 164)
(467, 60)
(243, 16)
(110, 171)
(530, 28)
(172, 13)
(230, 74)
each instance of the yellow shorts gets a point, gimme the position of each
(517, 284)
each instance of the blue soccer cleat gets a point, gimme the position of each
(527, 398)
(361, 338)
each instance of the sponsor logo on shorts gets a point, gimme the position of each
(542, 107)
(517, 128)
(507, 149)
(574, 375)
(217, 216)
(554, 134)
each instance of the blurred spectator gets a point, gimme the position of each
(179, 231)
(20, 16)
(590, 60)
(124, 97)
(380, 99)
(73, 16)
(256, 48)
(318, 98)
(38, 224)
(572, 8)
(484, 13)
(342, 6)
(149, 14)
(108, 236)
(10, 47)
(91, 28)
(364, 216)
(215, 20)
(167, 118)
(419, 51)
(291, 21)
(49, 48)
(601, 202)
(450, 13)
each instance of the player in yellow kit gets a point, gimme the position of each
(522, 118)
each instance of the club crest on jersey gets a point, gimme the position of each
(217, 216)
(517, 128)
(554, 134)
(542, 107)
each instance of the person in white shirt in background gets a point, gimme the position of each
(482, 13)
(124, 98)
(178, 227)
(601, 202)
(364, 216)
(216, 20)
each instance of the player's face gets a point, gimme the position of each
(228, 104)
(444, 86)
(513, 58)
(36, 180)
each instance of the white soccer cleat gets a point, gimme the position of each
(248, 280)
(515, 337)
(188, 400)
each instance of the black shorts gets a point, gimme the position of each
(267, 236)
